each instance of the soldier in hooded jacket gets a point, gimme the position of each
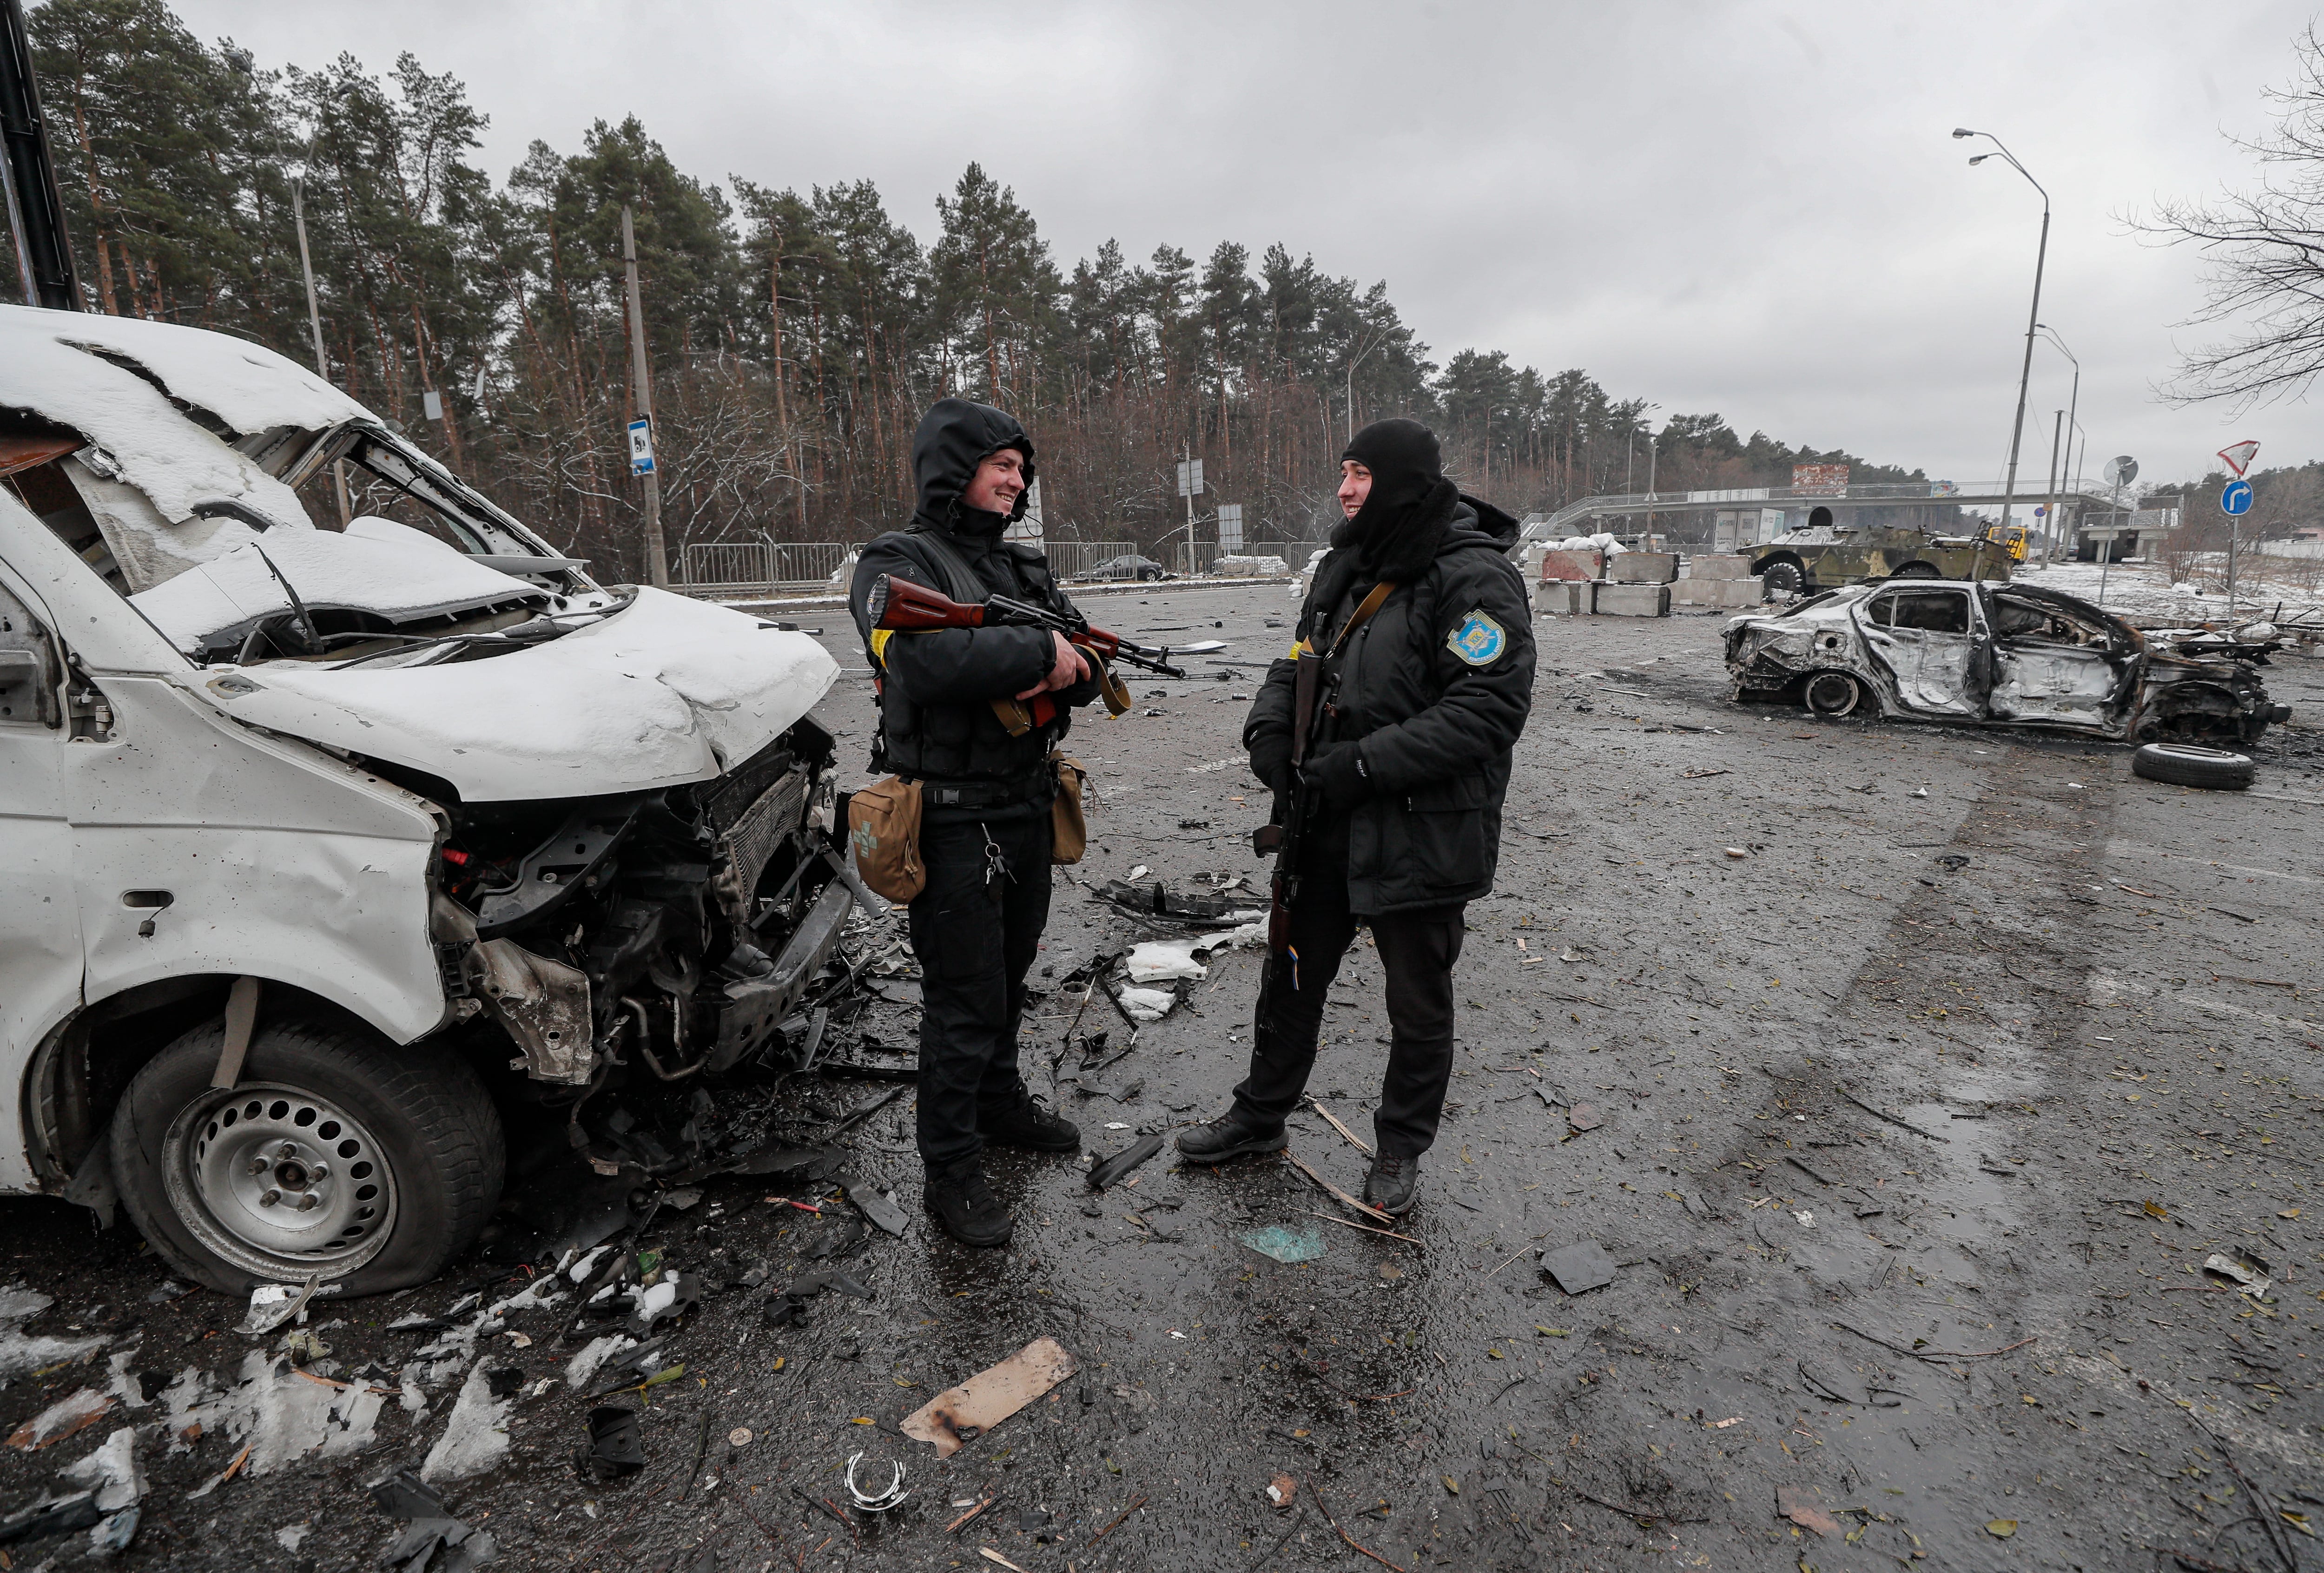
(1423, 700)
(986, 788)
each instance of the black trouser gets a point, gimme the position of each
(1418, 950)
(975, 939)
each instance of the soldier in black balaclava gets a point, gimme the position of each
(1404, 777)
(985, 794)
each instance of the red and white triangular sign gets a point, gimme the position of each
(2238, 456)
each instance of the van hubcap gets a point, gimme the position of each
(278, 1181)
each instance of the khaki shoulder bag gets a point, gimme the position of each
(883, 826)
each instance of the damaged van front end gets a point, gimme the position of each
(329, 845)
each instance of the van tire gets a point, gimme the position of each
(429, 1136)
(2186, 765)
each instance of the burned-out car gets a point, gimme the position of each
(324, 846)
(1998, 654)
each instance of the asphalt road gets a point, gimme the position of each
(1914, 1127)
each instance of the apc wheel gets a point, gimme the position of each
(1833, 694)
(336, 1153)
(1783, 579)
(1917, 571)
(2186, 765)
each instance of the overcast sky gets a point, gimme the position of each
(1752, 208)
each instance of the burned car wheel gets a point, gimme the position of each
(336, 1154)
(1833, 694)
(2186, 765)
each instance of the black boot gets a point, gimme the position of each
(1230, 1136)
(1027, 1124)
(966, 1206)
(1391, 1183)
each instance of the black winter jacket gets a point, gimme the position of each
(1433, 691)
(937, 722)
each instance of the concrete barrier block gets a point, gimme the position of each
(1643, 568)
(1715, 568)
(1617, 600)
(1561, 597)
(1565, 564)
(1724, 593)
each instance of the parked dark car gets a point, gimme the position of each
(1130, 566)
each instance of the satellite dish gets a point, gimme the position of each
(2120, 470)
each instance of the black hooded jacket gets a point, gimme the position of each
(936, 687)
(1433, 691)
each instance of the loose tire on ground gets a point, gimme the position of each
(2187, 765)
(1783, 579)
(400, 1148)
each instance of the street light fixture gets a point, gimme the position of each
(2073, 405)
(2033, 317)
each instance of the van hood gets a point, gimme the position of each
(664, 691)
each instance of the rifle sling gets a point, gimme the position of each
(1303, 719)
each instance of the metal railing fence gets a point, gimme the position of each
(747, 565)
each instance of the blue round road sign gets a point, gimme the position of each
(2236, 498)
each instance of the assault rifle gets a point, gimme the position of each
(903, 604)
(1282, 838)
(1308, 701)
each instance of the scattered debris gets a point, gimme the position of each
(1281, 1489)
(428, 1526)
(1146, 1006)
(871, 1502)
(1284, 1243)
(1584, 1116)
(1158, 900)
(615, 1449)
(1112, 1169)
(1803, 1506)
(68, 1416)
(273, 1304)
(476, 1436)
(1354, 1140)
(1338, 1195)
(21, 1356)
(1579, 1267)
(2001, 1529)
(959, 1414)
(2250, 1273)
(879, 1206)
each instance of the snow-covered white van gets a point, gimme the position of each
(319, 845)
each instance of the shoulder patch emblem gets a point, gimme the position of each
(1479, 640)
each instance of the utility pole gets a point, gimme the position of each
(641, 386)
(2050, 520)
(2033, 318)
(315, 325)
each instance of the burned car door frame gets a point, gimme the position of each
(1932, 638)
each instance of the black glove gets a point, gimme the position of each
(1270, 763)
(1337, 775)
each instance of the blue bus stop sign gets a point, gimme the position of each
(2236, 498)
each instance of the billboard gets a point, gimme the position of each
(1819, 479)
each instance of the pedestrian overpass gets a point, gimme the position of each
(1754, 514)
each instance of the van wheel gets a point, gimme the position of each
(2186, 765)
(1833, 694)
(336, 1153)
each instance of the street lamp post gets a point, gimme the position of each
(2074, 404)
(2026, 372)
